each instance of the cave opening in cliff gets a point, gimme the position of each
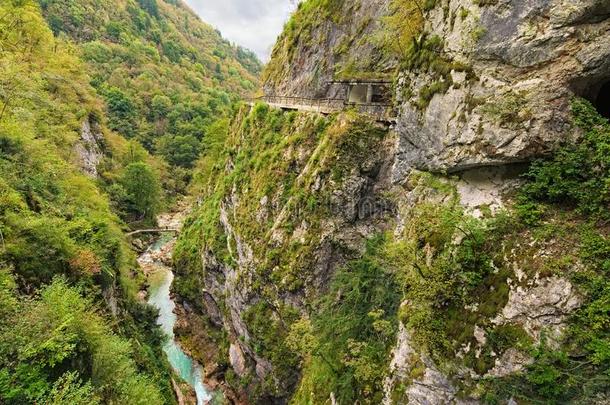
(602, 100)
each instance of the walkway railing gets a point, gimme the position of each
(379, 111)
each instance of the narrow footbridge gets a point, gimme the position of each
(153, 230)
(381, 112)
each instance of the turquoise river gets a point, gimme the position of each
(160, 279)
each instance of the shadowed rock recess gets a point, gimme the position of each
(457, 255)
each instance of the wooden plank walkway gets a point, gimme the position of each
(381, 112)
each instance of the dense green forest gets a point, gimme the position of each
(165, 75)
(148, 78)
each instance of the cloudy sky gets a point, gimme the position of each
(254, 24)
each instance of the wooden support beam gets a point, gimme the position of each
(153, 230)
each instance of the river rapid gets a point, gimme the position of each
(154, 261)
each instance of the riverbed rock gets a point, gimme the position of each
(184, 394)
(138, 245)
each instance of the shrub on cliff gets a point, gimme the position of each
(578, 174)
(572, 186)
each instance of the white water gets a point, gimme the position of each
(160, 279)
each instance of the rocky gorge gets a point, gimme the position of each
(409, 204)
(335, 259)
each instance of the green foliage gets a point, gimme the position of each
(483, 3)
(142, 188)
(40, 338)
(122, 113)
(404, 23)
(69, 390)
(161, 70)
(578, 174)
(52, 216)
(444, 260)
(354, 329)
(427, 92)
(161, 106)
(54, 247)
(509, 110)
(268, 154)
(150, 6)
(269, 326)
(55, 221)
(424, 55)
(530, 212)
(179, 150)
(573, 180)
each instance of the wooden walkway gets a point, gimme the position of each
(381, 112)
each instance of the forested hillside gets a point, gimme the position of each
(164, 74)
(104, 105)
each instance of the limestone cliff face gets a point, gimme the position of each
(523, 62)
(89, 148)
(326, 41)
(511, 68)
(484, 88)
(274, 228)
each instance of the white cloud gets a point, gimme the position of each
(254, 24)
